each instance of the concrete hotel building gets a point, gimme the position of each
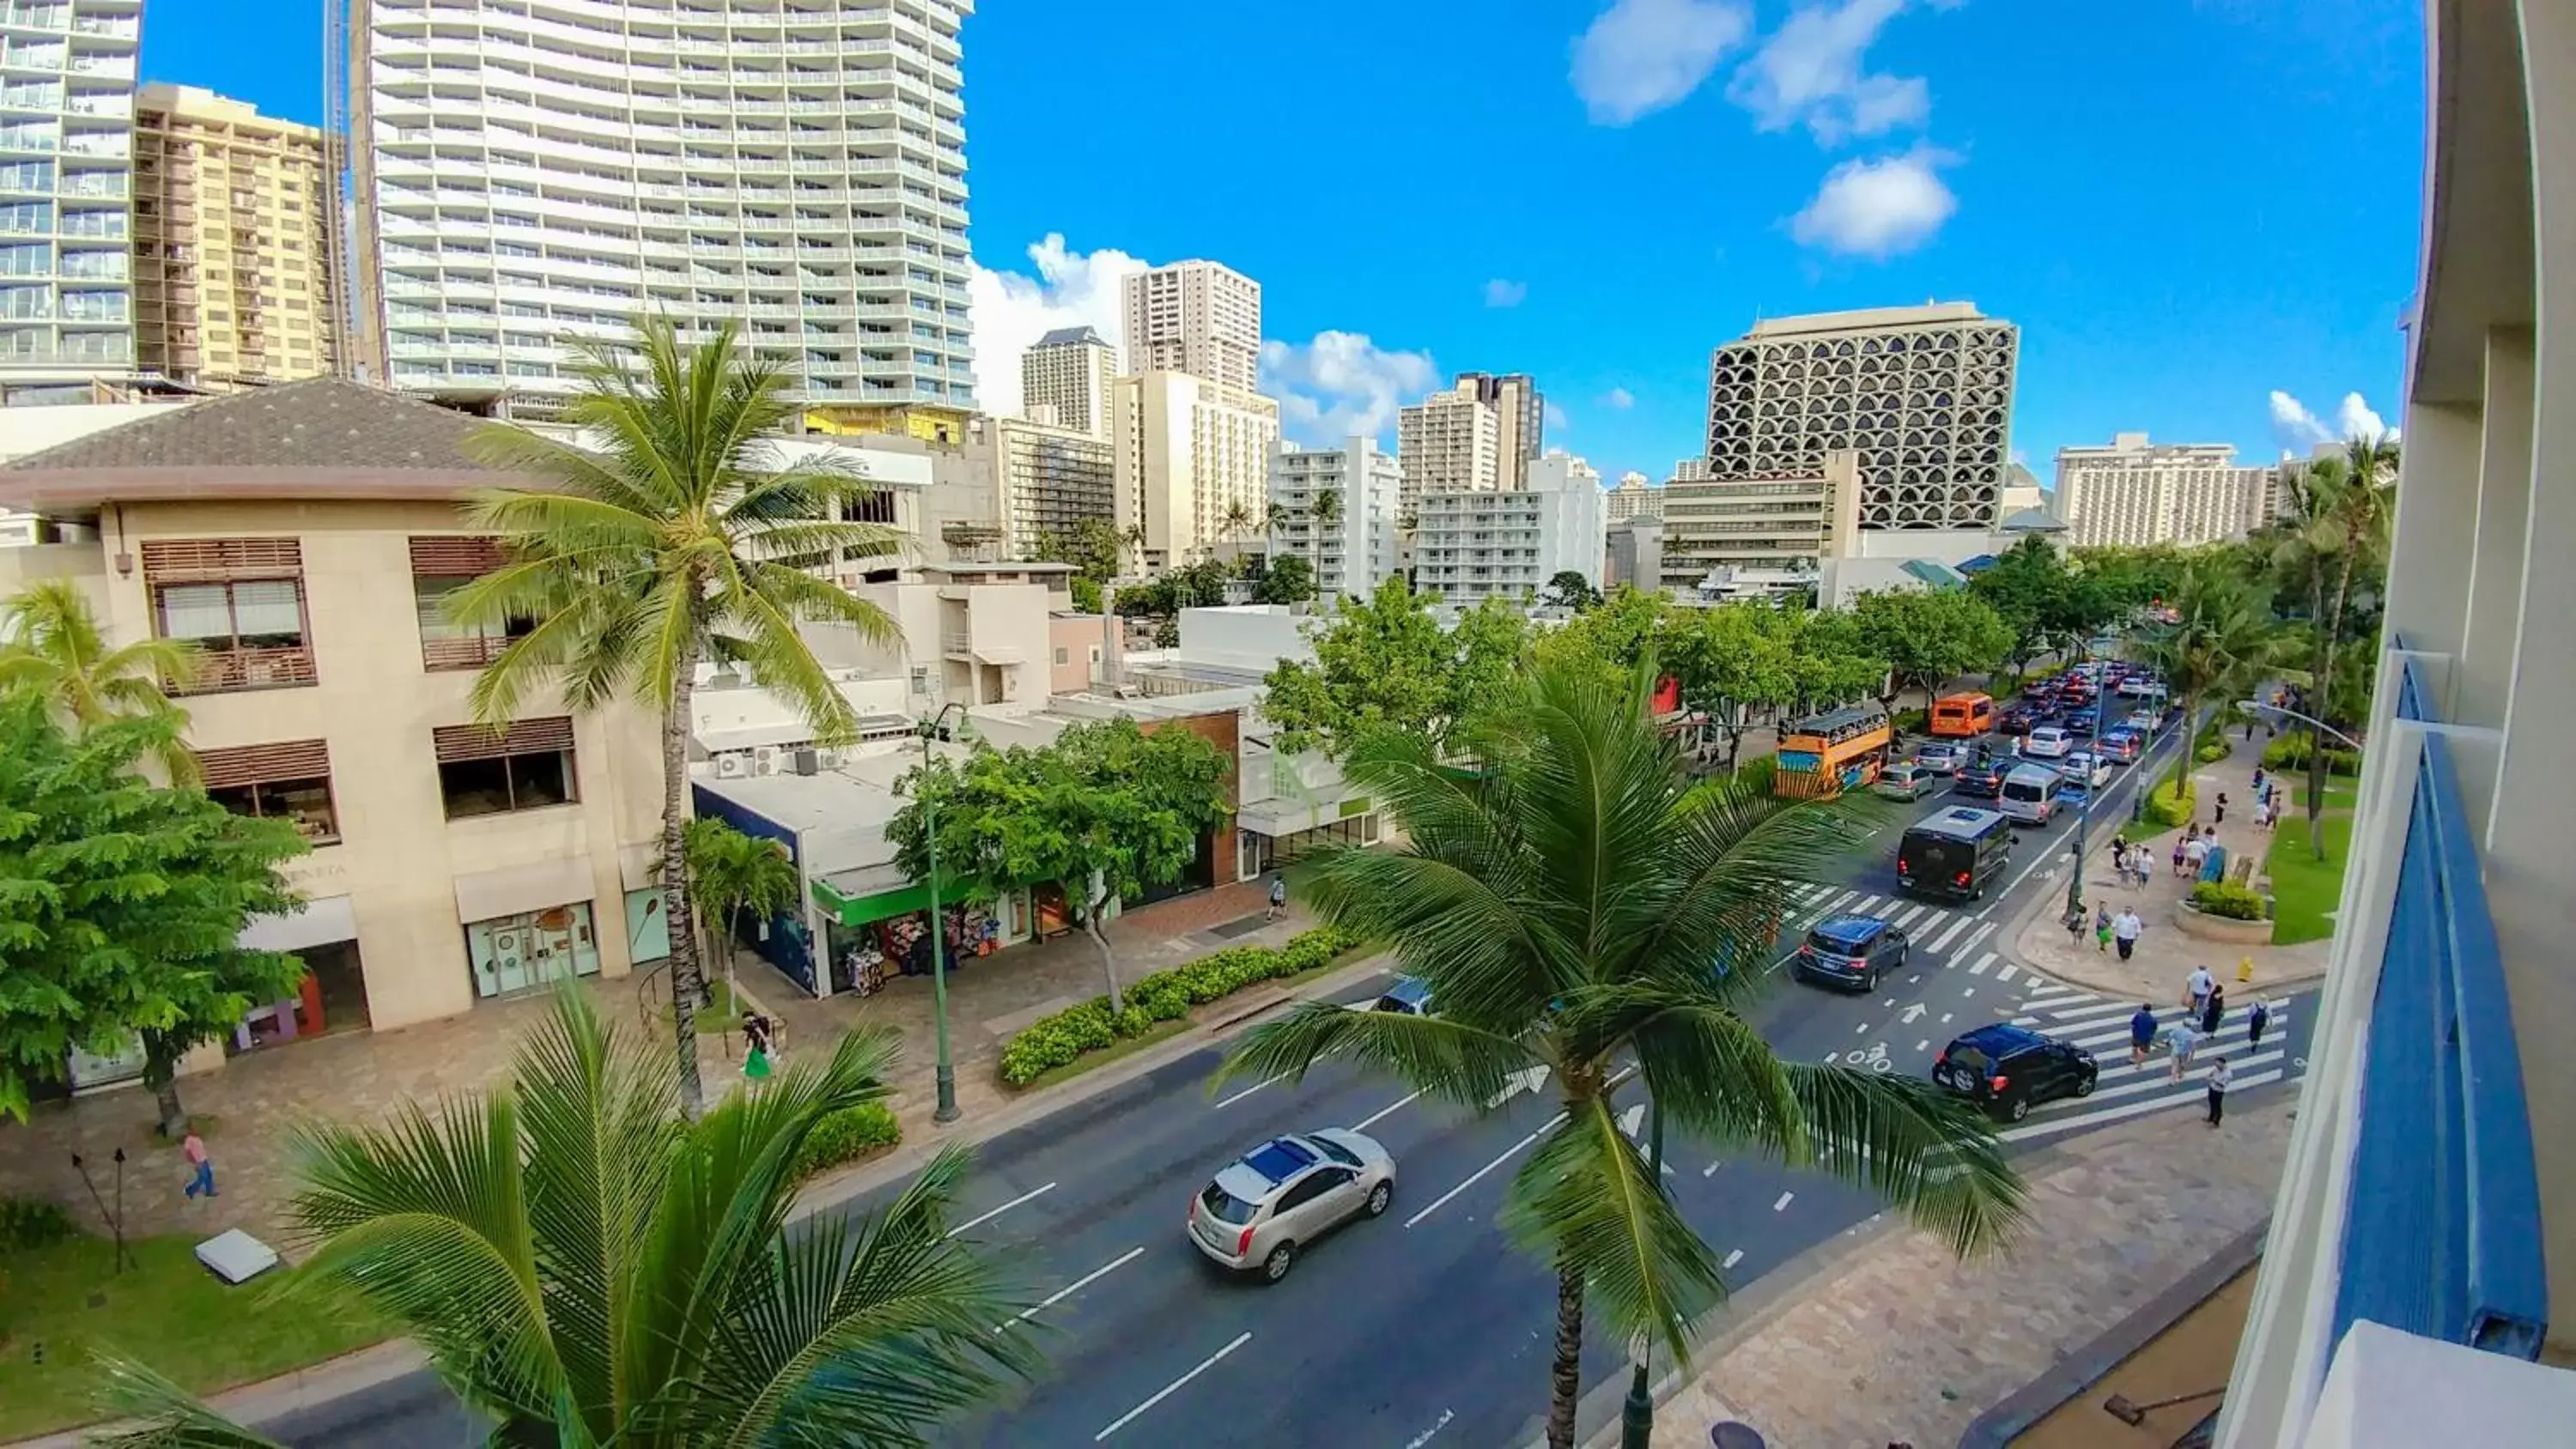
(1357, 550)
(1486, 543)
(1520, 421)
(1064, 380)
(532, 171)
(66, 156)
(1922, 394)
(1721, 526)
(1187, 450)
(1050, 480)
(1450, 442)
(451, 864)
(2134, 494)
(1200, 318)
(1635, 498)
(232, 257)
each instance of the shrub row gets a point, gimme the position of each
(2290, 752)
(28, 1223)
(2235, 902)
(848, 1135)
(1052, 1041)
(2169, 809)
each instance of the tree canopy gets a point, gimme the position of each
(1288, 579)
(2047, 606)
(1929, 636)
(1091, 546)
(1387, 663)
(1569, 589)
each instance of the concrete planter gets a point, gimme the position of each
(2201, 925)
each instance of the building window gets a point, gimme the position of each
(240, 601)
(1063, 655)
(526, 765)
(439, 567)
(289, 782)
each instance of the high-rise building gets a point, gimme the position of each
(1189, 452)
(232, 276)
(1635, 554)
(1064, 380)
(1520, 421)
(1450, 442)
(1199, 318)
(1725, 526)
(532, 176)
(1350, 543)
(66, 159)
(1051, 480)
(1635, 498)
(1922, 394)
(1470, 545)
(2136, 493)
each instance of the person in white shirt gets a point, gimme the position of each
(2184, 1040)
(2125, 928)
(2198, 986)
(2219, 1078)
(2195, 854)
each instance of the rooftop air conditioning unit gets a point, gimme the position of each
(806, 762)
(732, 765)
(764, 761)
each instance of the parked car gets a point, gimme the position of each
(2049, 742)
(1906, 780)
(1853, 951)
(1942, 759)
(1263, 1208)
(2122, 745)
(1410, 996)
(1980, 779)
(2009, 1069)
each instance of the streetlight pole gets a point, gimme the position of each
(2084, 816)
(1637, 1414)
(946, 1110)
(2258, 708)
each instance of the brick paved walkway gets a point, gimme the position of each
(1902, 1344)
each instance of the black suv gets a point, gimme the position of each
(2009, 1069)
(1982, 779)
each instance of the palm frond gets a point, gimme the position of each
(1931, 1156)
(1587, 1195)
(1441, 1056)
(154, 1413)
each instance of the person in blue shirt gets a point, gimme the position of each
(2142, 1034)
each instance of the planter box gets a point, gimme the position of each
(2204, 926)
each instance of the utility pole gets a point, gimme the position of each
(1637, 1414)
(946, 1110)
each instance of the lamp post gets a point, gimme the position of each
(2084, 815)
(1637, 1414)
(2258, 709)
(946, 1110)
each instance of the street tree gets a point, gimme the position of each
(2223, 640)
(1569, 589)
(1613, 636)
(658, 546)
(1734, 662)
(1290, 579)
(1386, 663)
(732, 875)
(51, 642)
(2131, 578)
(122, 903)
(1107, 810)
(584, 1261)
(1575, 911)
(1929, 636)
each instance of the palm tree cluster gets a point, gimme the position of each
(2333, 534)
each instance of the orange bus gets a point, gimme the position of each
(1962, 716)
(1830, 753)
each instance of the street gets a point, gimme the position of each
(1425, 1327)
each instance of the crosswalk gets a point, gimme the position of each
(2100, 1025)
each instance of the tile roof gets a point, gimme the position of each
(320, 423)
(1068, 336)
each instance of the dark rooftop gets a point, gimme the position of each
(320, 423)
(1070, 336)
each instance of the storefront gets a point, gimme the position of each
(333, 994)
(871, 939)
(528, 927)
(1275, 833)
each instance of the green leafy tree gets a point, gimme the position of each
(1929, 636)
(656, 549)
(2224, 640)
(1623, 630)
(52, 643)
(2132, 579)
(1833, 662)
(1091, 546)
(1290, 579)
(1107, 810)
(585, 1262)
(1586, 913)
(1086, 594)
(2045, 605)
(732, 874)
(1733, 662)
(1569, 589)
(1386, 663)
(122, 903)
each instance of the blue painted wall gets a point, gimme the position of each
(787, 948)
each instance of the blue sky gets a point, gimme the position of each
(2202, 213)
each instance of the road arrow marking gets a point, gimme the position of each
(1914, 1013)
(1631, 1119)
(1518, 1082)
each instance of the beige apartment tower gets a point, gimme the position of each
(2134, 493)
(1450, 442)
(1190, 453)
(232, 275)
(1194, 317)
(1064, 380)
(1520, 421)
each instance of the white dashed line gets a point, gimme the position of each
(1248, 1091)
(1783, 1204)
(1478, 1175)
(1983, 962)
(1923, 1045)
(1711, 1169)
(1951, 933)
(1371, 1119)
(980, 1220)
(1731, 1260)
(1945, 1018)
(2006, 972)
(1076, 1286)
(1174, 1386)
(1861, 1030)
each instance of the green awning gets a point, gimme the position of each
(856, 911)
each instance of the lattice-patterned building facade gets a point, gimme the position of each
(1922, 394)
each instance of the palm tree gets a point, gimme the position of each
(2224, 639)
(51, 643)
(659, 547)
(1276, 516)
(730, 873)
(1237, 518)
(1584, 912)
(585, 1263)
(1133, 535)
(2305, 543)
(2360, 516)
(1326, 509)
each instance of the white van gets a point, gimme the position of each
(2029, 795)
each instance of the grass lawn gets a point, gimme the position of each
(2303, 889)
(168, 1311)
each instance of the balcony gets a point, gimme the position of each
(229, 670)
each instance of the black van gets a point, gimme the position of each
(1954, 854)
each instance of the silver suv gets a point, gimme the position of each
(1279, 1197)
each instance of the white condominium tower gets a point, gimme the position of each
(66, 149)
(1922, 394)
(531, 171)
(1450, 442)
(1064, 380)
(2134, 493)
(1350, 542)
(1200, 318)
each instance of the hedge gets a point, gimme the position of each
(2235, 902)
(1053, 1041)
(846, 1136)
(2171, 810)
(27, 1223)
(2290, 753)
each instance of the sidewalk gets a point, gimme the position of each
(1900, 1343)
(364, 1077)
(2164, 955)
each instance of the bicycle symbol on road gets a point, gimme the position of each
(1875, 1059)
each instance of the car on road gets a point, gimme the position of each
(2122, 745)
(2007, 1069)
(1409, 996)
(2145, 720)
(1264, 1208)
(1942, 759)
(1954, 854)
(1979, 779)
(2020, 719)
(2048, 742)
(2079, 721)
(2029, 795)
(2086, 768)
(1850, 951)
(1906, 780)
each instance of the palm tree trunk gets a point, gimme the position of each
(1565, 1375)
(2329, 634)
(1098, 931)
(686, 972)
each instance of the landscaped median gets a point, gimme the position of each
(1157, 1003)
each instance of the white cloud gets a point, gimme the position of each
(2296, 427)
(1502, 293)
(1342, 384)
(1810, 71)
(1639, 56)
(1878, 208)
(1619, 398)
(1013, 310)
(1556, 419)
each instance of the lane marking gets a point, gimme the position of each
(1923, 1045)
(1971, 991)
(1983, 962)
(979, 1221)
(1711, 1169)
(1478, 1176)
(1977, 937)
(1861, 1030)
(1174, 1386)
(2006, 972)
(1840, 901)
(1783, 1204)
(1373, 1118)
(1069, 1289)
(1906, 922)
(1425, 1436)
(2133, 1109)
(1829, 1057)
(1950, 933)
(1945, 1018)
(1731, 1260)
(1255, 1087)
(1913, 979)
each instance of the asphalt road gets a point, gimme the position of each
(1425, 1327)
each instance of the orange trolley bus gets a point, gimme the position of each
(1830, 753)
(1962, 716)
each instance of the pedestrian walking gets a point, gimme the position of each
(1278, 896)
(2255, 1020)
(2182, 851)
(2258, 780)
(2222, 811)
(2195, 854)
(201, 1175)
(2196, 990)
(756, 1066)
(2219, 1078)
(2075, 927)
(2213, 1011)
(2182, 1040)
(2101, 928)
(2142, 1034)
(2126, 927)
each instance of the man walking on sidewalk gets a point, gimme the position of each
(2142, 1034)
(2125, 929)
(1278, 896)
(2219, 1077)
(2255, 1021)
(2197, 987)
